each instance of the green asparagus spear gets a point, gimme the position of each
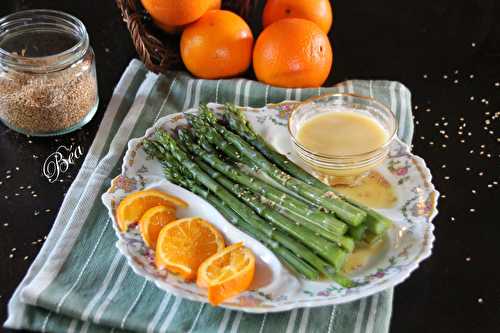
(323, 247)
(315, 216)
(298, 265)
(245, 212)
(376, 222)
(358, 232)
(327, 199)
(344, 242)
(239, 124)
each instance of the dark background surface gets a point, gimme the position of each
(446, 52)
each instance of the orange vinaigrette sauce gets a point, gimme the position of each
(372, 190)
(362, 256)
(342, 133)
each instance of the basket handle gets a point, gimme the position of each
(153, 52)
(156, 55)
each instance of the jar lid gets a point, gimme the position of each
(41, 40)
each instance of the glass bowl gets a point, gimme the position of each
(342, 169)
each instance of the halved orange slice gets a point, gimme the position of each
(134, 205)
(153, 220)
(184, 244)
(227, 273)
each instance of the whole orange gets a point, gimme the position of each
(218, 45)
(317, 11)
(172, 15)
(292, 53)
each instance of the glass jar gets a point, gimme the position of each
(342, 169)
(48, 83)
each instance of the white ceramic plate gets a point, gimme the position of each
(275, 288)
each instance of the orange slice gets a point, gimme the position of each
(153, 220)
(134, 205)
(227, 273)
(184, 244)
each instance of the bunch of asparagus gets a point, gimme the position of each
(303, 221)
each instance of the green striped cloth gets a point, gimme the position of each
(80, 283)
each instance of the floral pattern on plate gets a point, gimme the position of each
(409, 242)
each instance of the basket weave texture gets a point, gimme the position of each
(158, 50)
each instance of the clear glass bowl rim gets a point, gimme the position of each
(52, 62)
(380, 149)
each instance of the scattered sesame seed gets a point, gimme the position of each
(11, 256)
(26, 258)
(473, 191)
(472, 210)
(472, 98)
(443, 145)
(47, 210)
(445, 76)
(443, 166)
(5, 224)
(497, 84)
(455, 81)
(425, 76)
(446, 177)
(452, 218)
(36, 213)
(480, 300)
(471, 76)
(490, 186)
(473, 44)
(467, 259)
(480, 174)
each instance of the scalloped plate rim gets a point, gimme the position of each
(394, 280)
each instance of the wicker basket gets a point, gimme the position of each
(158, 50)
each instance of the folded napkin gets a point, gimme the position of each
(79, 282)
